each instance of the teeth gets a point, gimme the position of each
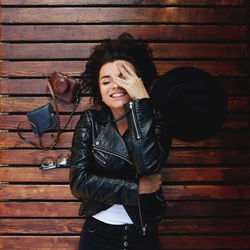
(117, 95)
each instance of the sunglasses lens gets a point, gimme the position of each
(47, 163)
(62, 160)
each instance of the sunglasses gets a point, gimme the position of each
(61, 161)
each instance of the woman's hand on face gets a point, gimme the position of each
(131, 82)
(150, 183)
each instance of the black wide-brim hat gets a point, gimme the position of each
(193, 102)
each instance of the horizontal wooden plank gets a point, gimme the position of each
(35, 192)
(211, 174)
(174, 192)
(168, 226)
(233, 86)
(206, 192)
(40, 242)
(39, 209)
(75, 68)
(160, 50)
(41, 226)
(32, 156)
(233, 121)
(208, 208)
(166, 242)
(204, 225)
(22, 86)
(100, 32)
(124, 15)
(12, 121)
(205, 242)
(123, 2)
(41, 69)
(220, 139)
(26, 104)
(236, 85)
(177, 208)
(10, 140)
(236, 121)
(188, 174)
(177, 156)
(237, 104)
(33, 174)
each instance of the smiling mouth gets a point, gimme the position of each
(118, 95)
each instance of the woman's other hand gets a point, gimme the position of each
(150, 183)
(131, 82)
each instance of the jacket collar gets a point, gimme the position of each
(103, 114)
(109, 138)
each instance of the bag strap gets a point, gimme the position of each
(27, 140)
(59, 131)
(76, 104)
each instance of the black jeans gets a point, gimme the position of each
(97, 235)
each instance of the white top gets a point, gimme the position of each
(115, 215)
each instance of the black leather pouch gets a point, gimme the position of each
(44, 118)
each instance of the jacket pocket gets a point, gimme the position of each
(99, 158)
(92, 226)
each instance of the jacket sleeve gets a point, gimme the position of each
(150, 136)
(85, 183)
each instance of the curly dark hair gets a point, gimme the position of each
(125, 47)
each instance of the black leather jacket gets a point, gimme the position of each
(106, 167)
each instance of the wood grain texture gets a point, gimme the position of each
(12, 121)
(220, 139)
(124, 15)
(100, 32)
(25, 104)
(205, 183)
(233, 121)
(125, 2)
(232, 85)
(39, 209)
(38, 51)
(173, 192)
(40, 242)
(177, 156)
(167, 226)
(75, 68)
(170, 174)
(179, 208)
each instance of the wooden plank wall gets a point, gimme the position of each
(206, 183)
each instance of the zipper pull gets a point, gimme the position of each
(134, 121)
(144, 230)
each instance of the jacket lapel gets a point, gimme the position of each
(110, 140)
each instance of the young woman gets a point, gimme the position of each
(119, 149)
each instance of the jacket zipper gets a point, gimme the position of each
(140, 215)
(101, 160)
(134, 121)
(108, 152)
(144, 227)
